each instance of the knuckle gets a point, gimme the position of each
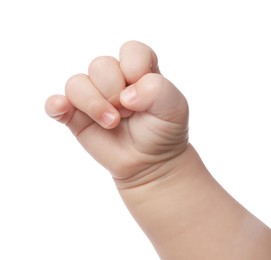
(98, 64)
(141, 55)
(74, 81)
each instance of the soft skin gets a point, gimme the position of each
(134, 122)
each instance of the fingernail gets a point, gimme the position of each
(108, 118)
(129, 94)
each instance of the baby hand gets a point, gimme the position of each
(125, 113)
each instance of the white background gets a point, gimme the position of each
(55, 201)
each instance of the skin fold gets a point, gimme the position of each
(134, 122)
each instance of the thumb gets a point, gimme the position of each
(155, 94)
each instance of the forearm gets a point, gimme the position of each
(187, 215)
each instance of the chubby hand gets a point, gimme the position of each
(126, 115)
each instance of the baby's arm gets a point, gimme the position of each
(135, 123)
(187, 215)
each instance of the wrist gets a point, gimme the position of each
(155, 174)
(181, 207)
(165, 201)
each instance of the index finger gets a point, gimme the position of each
(136, 60)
